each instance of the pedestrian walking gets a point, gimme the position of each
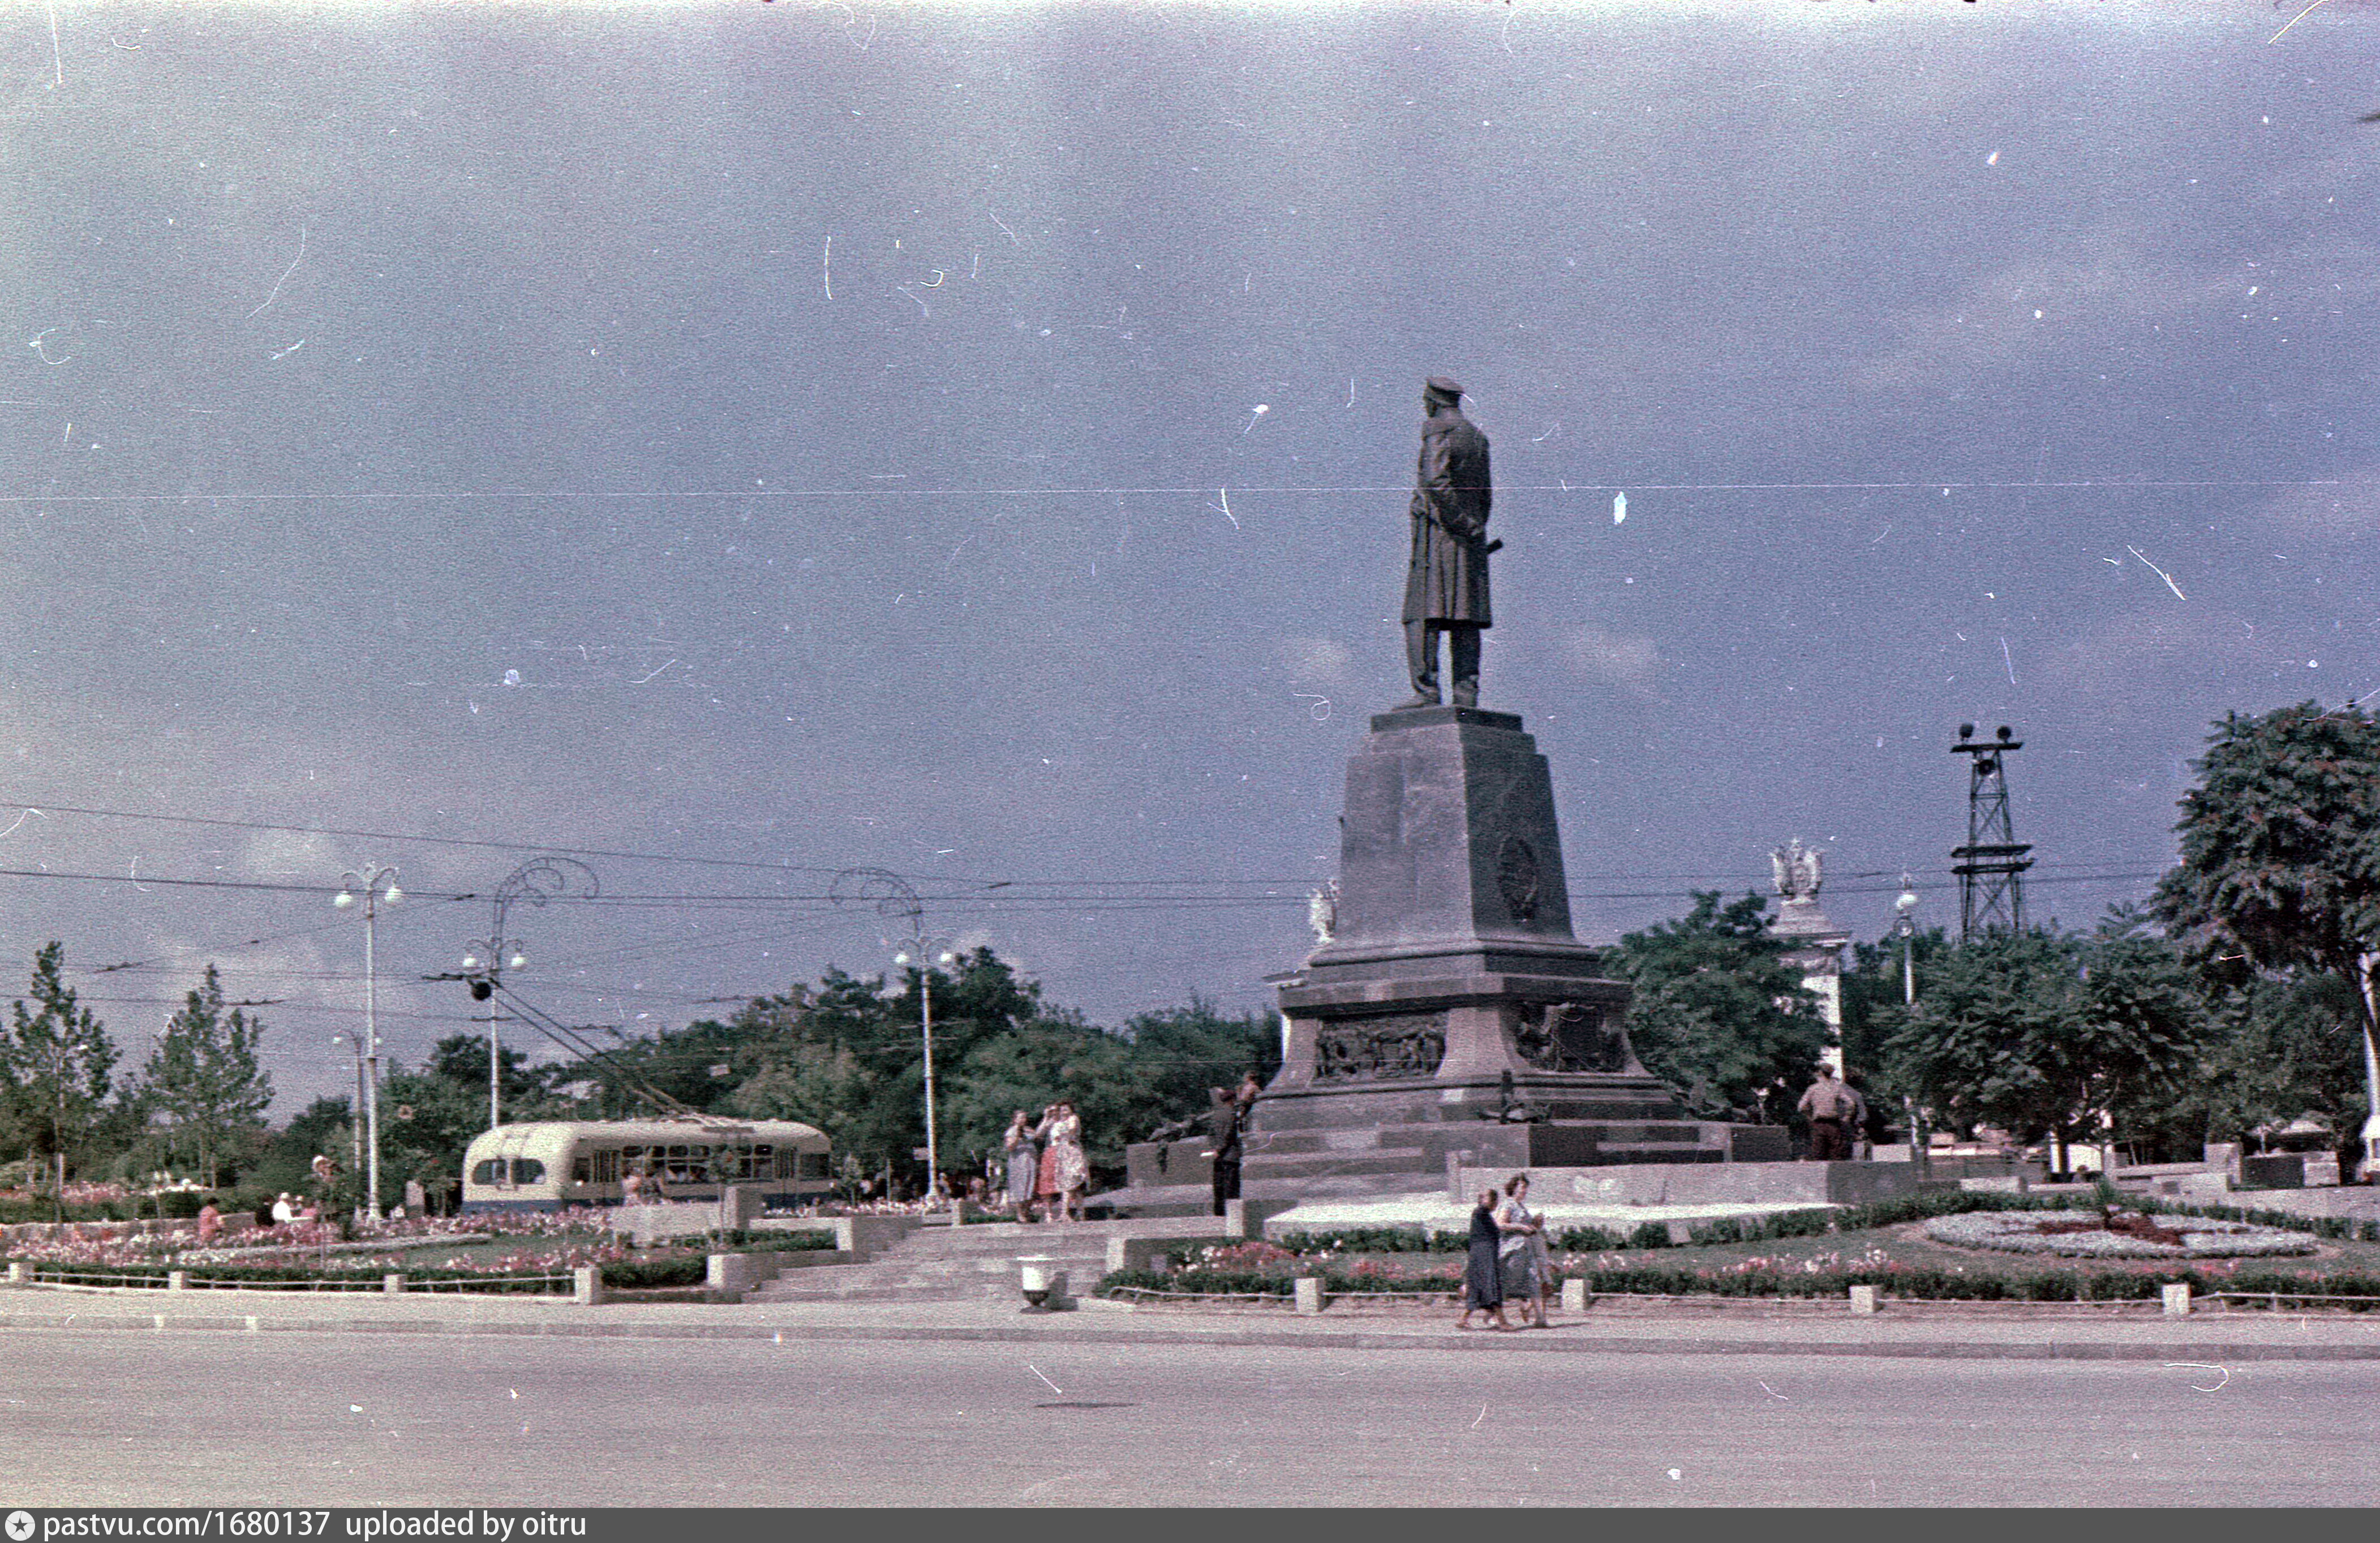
(1483, 1282)
(1024, 1164)
(1523, 1260)
(632, 1188)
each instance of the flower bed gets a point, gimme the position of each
(522, 1246)
(2094, 1236)
(1898, 1266)
(314, 1276)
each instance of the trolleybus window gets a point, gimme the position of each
(600, 1166)
(519, 1171)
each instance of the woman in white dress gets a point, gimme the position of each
(1522, 1253)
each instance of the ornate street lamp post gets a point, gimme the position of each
(484, 962)
(922, 954)
(375, 886)
(2364, 966)
(354, 1115)
(892, 896)
(1904, 926)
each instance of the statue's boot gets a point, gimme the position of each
(1462, 664)
(1421, 659)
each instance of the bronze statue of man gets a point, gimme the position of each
(1446, 588)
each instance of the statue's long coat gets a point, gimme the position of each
(1448, 580)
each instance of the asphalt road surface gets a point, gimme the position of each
(123, 1418)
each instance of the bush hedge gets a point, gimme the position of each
(770, 1243)
(1935, 1285)
(632, 1274)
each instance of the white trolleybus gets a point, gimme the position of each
(548, 1165)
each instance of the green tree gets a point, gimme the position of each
(426, 1121)
(203, 1075)
(2279, 869)
(526, 1090)
(849, 1056)
(1873, 988)
(1054, 1057)
(323, 1128)
(2278, 1047)
(1181, 1054)
(2043, 1033)
(59, 1059)
(1716, 1010)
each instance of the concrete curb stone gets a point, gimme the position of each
(1565, 1339)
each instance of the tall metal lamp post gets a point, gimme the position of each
(891, 895)
(375, 886)
(922, 954)
(2364, 966)
(536, 880)
(1904, 927)
(356, 1115)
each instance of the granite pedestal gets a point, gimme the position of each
(1453, 1011)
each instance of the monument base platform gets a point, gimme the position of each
(1176, 1178)
(1817, 1184)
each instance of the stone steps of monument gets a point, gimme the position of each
(980, 1241)
(1318, 1140)
(926, 1278)
(1159, 1202)
(1342, 1186)
(889, 1288)
(1434, 1136)
(1299, 1164)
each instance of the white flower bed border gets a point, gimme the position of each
(2010, 1231)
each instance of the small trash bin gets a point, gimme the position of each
(1044, 1283)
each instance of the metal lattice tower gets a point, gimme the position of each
(1991, 866)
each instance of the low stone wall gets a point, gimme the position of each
(864, 1237)
(1669, 1184)
(1142, 1253)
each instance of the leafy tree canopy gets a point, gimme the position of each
(1716, 1010)
(2041, 1033)
(203, 1074)
(59, 1062)
(2280, 843)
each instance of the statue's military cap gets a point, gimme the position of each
(1439, 386)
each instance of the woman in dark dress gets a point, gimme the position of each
(1483, 1283)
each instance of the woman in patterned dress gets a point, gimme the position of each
(1065, 1171)
(1522, 1256)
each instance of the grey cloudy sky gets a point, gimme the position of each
(971, 441)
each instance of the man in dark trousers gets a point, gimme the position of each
(1829, 1103)
(1446, 585)
(1225, 1115)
